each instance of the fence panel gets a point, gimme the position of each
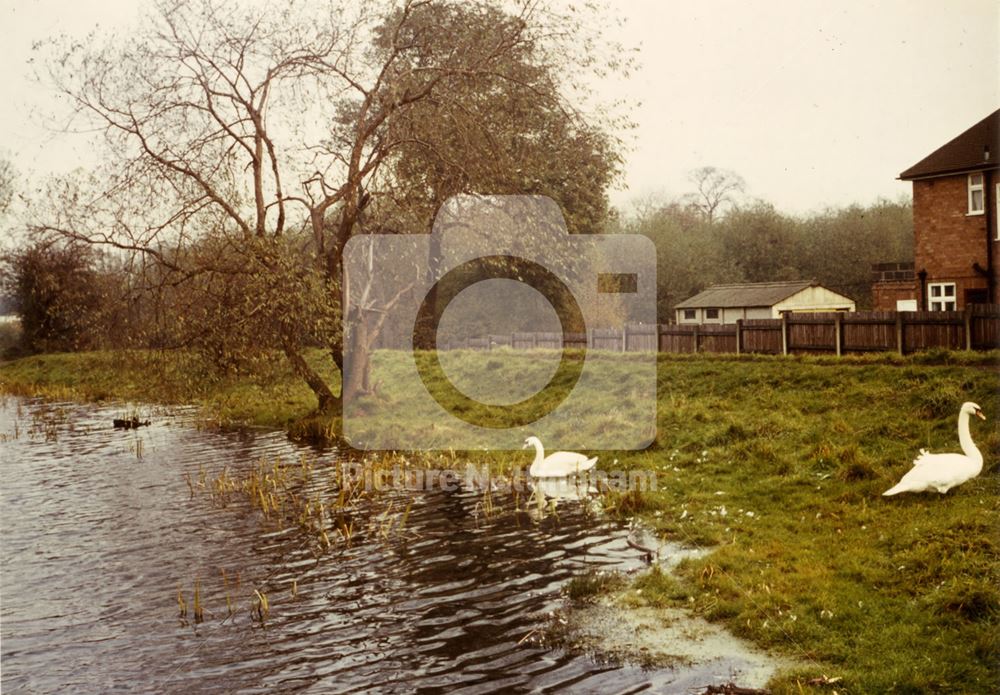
(762, 335)
(717, 338)
(812, 333)
(933, 329)
(677, 338)
(549, 341)
(863, 331)
(984, 326)
(606, 339)
(499, 341)
(522, 341)
(868, 331)
(641, 338)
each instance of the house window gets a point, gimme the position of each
(942, 296)
(712, 314)
(690, 314)
(977, 198)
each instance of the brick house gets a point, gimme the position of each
(956, 193)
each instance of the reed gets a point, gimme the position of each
(198, 609)
(261, 608)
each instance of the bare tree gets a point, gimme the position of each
(219, 121)
(716, 188)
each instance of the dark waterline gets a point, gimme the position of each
(96, 541)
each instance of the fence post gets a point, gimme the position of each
(784, 333)
(838, 332)
(534, 340)
(739, 336)
(899, 332)
(696, 336)
(968, 326)
(624, 337)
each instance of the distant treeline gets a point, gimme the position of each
(72, 297)
(757, 243)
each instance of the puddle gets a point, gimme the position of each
(698, 652)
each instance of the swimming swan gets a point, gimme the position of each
(558, 465)
(942, 472)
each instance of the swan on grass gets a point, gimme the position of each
(561, 464)
(941, 472)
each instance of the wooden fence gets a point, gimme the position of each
(976, 328)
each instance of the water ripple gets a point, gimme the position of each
(97, 540)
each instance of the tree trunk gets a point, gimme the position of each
(423, 334)
(328, 403)
(357, 377)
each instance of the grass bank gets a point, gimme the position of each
(271, 396)
(779, 464)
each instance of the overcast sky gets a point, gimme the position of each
(814, 103)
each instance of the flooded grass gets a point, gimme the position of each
(257, 606)
(592, 585)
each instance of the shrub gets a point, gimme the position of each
(59, 295)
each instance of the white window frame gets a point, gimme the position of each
(977, 188)
(941, 301)
(684, 314)
(717, 317)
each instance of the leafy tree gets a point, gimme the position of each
(689, 253)
(59, 296)
(338, 117)
(760, 243)
(839, 246)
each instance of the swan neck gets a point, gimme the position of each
(539, 457)
(965, 438)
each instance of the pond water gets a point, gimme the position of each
(100, 531)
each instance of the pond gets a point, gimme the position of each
(100, 533)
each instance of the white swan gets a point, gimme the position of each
(558, 465)
(942, 472)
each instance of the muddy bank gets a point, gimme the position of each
(700, 653)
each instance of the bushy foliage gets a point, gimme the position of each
(64, 300)
(252, 300)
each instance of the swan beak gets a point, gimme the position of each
(979, 414)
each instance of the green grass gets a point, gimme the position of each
(608, 406)
(890, 594)
(779, 463)
(272, 397)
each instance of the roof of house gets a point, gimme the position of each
(977, 148)
(745, 294)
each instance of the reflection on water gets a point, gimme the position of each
(100, 532)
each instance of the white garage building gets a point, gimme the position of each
(759, 300)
